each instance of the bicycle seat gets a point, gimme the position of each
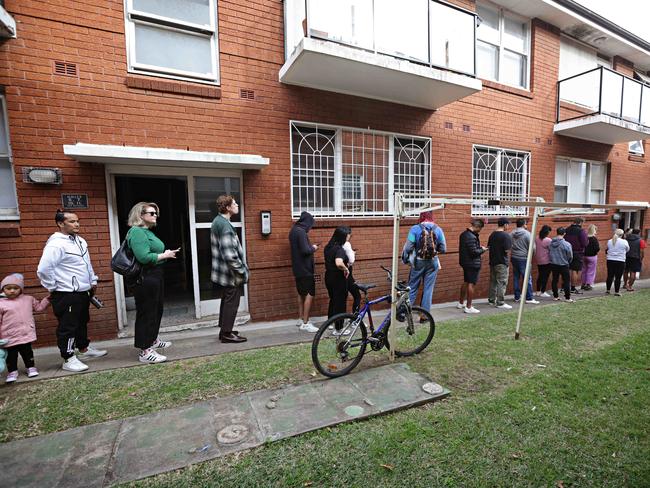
(364, 287)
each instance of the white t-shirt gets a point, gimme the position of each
(347, 247)
(617, 252)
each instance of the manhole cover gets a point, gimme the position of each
(232, 434)
(353, 410)
(432, 388)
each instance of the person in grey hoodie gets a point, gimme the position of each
(561, 255)
(519, 257)
(67, 273)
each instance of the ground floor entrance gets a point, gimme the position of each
(187, 202)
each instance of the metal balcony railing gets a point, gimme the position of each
(603, 91)
(428, 32)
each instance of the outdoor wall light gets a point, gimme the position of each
(43, 176)
(616, 217)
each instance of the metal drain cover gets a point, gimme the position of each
(232, 434)
(433, 388)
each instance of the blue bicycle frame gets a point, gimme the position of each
(366, 310)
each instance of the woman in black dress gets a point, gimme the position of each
(336, 271)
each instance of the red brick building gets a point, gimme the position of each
(305, 105)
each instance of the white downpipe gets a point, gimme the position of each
(397, 212)
(529, 260)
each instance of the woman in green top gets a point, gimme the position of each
(148, 291)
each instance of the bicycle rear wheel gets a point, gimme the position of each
(413, 334)
(337, 352)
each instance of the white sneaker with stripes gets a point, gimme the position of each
(150, 356)
(158, 344)
(74, 365)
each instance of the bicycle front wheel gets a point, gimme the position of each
(413, 334)
(339, 345)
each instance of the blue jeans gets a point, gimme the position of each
(427, 270)
(518, 272)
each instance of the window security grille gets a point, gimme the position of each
(499, 173)
(351, 172)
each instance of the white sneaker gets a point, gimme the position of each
(545, 295)
(299, 323)
(460, 306)
(532, 302)
(569, 300)
(91, 352)
(471, 310)
(73, 364)
(158, 344)
(308, 327)
(505, 306)
(150, 356)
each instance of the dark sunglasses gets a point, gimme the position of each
(153, 214)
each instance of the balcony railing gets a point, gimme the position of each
(602, 91)
(427, 32)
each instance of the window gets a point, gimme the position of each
(339, 171)
(502, 46)
(8, 200)
(173, 38)
(578, 181)
(499, 173)
(636, 148)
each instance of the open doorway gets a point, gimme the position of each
(170, 194)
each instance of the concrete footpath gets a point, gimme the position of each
(123, 450)
(205, 342)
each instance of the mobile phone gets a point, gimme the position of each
(96, 302)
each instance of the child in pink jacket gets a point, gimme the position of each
(17, 324)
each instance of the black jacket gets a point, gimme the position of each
(634, 240)
(469, 250)
(593, 248)
(302, 254)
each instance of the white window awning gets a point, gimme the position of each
(154, 156)
(625, 203)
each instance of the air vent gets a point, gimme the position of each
(65, 69)
(247, 94)
(466, 128)
(449, 125)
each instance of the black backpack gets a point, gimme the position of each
(427, 244)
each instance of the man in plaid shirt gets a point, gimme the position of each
(229, 271)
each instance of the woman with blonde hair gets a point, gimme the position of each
(617, 248)
(148, 289)
(590, 259)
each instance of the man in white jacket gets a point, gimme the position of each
(67, 273)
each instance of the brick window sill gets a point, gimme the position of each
(9, 229)
(177, 87)
(507, 89)
(635, 158)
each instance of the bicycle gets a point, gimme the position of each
(340, 343)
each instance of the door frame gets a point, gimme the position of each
(112, 170)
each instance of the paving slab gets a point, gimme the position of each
(124, 450)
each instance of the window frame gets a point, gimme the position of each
(589, 189)
(632, 152)
(133, 17)
(497, 210)
(337, 211)
(502, 14)
(8, 213)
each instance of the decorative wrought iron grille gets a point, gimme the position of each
(499, 173)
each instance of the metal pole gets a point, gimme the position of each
(529, 260)
(397, 212)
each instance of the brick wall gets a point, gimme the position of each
(104, 104)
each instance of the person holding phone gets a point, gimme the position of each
(148, 291)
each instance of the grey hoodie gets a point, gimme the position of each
(520, 243)
(65, 264)
(560, 252)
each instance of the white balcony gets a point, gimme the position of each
(423, 56)
(603, 106)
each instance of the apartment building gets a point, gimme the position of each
(319, 105)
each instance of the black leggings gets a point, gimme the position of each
(149, 307)
(614, 273)
(337, 289)
(25, 351)
(566, 280)
(354, 291)
(543, 272)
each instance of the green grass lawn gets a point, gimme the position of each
(568, 405)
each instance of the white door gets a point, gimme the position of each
(204, 191)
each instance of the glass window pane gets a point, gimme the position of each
(515, 35)
(487, 60)
(636, 147)
(612, 84)
(346, 21)
(597, 196)
(166, 48)
(631, 99)
(206, 191)
(488, 30)
(598, 176)
(194, 11)
(7, 187)
(4, 132)
(513, 70)
(401, 29)
(560, 194)
(578, 183)
(561, 172)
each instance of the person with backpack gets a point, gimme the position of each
(519, 256)
(469, 256)
(633, 258)
(424, 242)
(499, 244)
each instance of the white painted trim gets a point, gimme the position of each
(113, 231)
(155, 156)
